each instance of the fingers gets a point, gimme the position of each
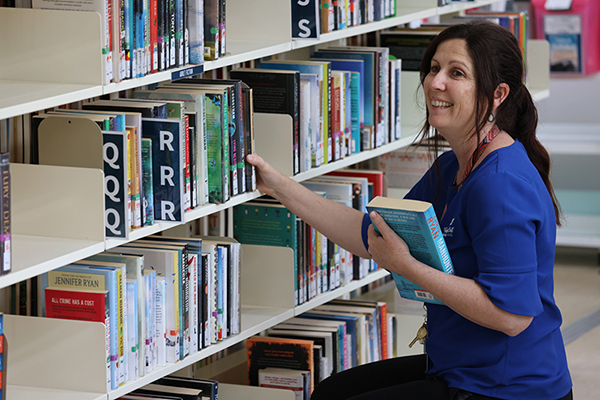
(381, 227)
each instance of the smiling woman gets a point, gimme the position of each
(497, 336)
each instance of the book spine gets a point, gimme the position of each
(206, 299)
(233, 136)
(132, 339)
(222, 14)
(136, 204)
(196, 31)
(172, 29)
(225, 115)
(5, 235)
(179, 50)
(148, 195)
(161, 327)
(186, 166)
(193, 301)
(185, 305)
(126, 15)
(154, 35)
(120, 314)
(440, 243)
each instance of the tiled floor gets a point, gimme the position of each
(577, 292)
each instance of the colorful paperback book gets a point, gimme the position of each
(417, 224)
(369, 82)
(132, 329)
(357, 86)
(5, 234)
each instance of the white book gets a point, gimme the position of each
(163, 261)
(161, 327)
(193, 300)
(132, 329)
(280, 378)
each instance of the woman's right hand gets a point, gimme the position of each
(268, 179)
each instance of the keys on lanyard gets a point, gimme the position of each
(422, 332)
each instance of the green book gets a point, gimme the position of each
(268, 224)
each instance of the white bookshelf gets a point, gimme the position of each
(54, 58)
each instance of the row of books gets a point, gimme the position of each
(314, 17)
(409, 44)
(326, 340)
(176, 388)
(358, 101)
(145, 37)
(167, 151)
(161, 299)
(319, 264)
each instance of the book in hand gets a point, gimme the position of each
(416, 223)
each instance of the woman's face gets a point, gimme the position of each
(450, 89)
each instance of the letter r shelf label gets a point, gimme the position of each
(187, 72)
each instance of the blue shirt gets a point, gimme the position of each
(500, 228)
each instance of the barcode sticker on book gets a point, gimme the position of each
(421, 294)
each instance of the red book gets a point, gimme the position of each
(84, 305)
(335, 116)
(154, 35)
(188, 187)
(377, 178)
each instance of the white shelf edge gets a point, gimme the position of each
(354, 158)
(79, 249)
(44, 95)
(16, 392)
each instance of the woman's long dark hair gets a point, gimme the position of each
(497, 58)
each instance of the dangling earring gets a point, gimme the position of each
(491, 118)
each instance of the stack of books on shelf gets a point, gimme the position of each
(177, 388)
(161, 299)
(312, 18)
(319, 264)
(140, 38)
(409, 44)
(164, 152)
(357, 107)
(302, 351)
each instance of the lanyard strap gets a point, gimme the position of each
(479, 151)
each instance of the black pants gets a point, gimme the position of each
(401, 378)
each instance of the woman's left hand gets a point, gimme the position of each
(387, 249)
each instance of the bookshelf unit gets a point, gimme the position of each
(54, 58)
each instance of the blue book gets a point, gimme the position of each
(167, 176)
(417, 224)
(369, 82)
